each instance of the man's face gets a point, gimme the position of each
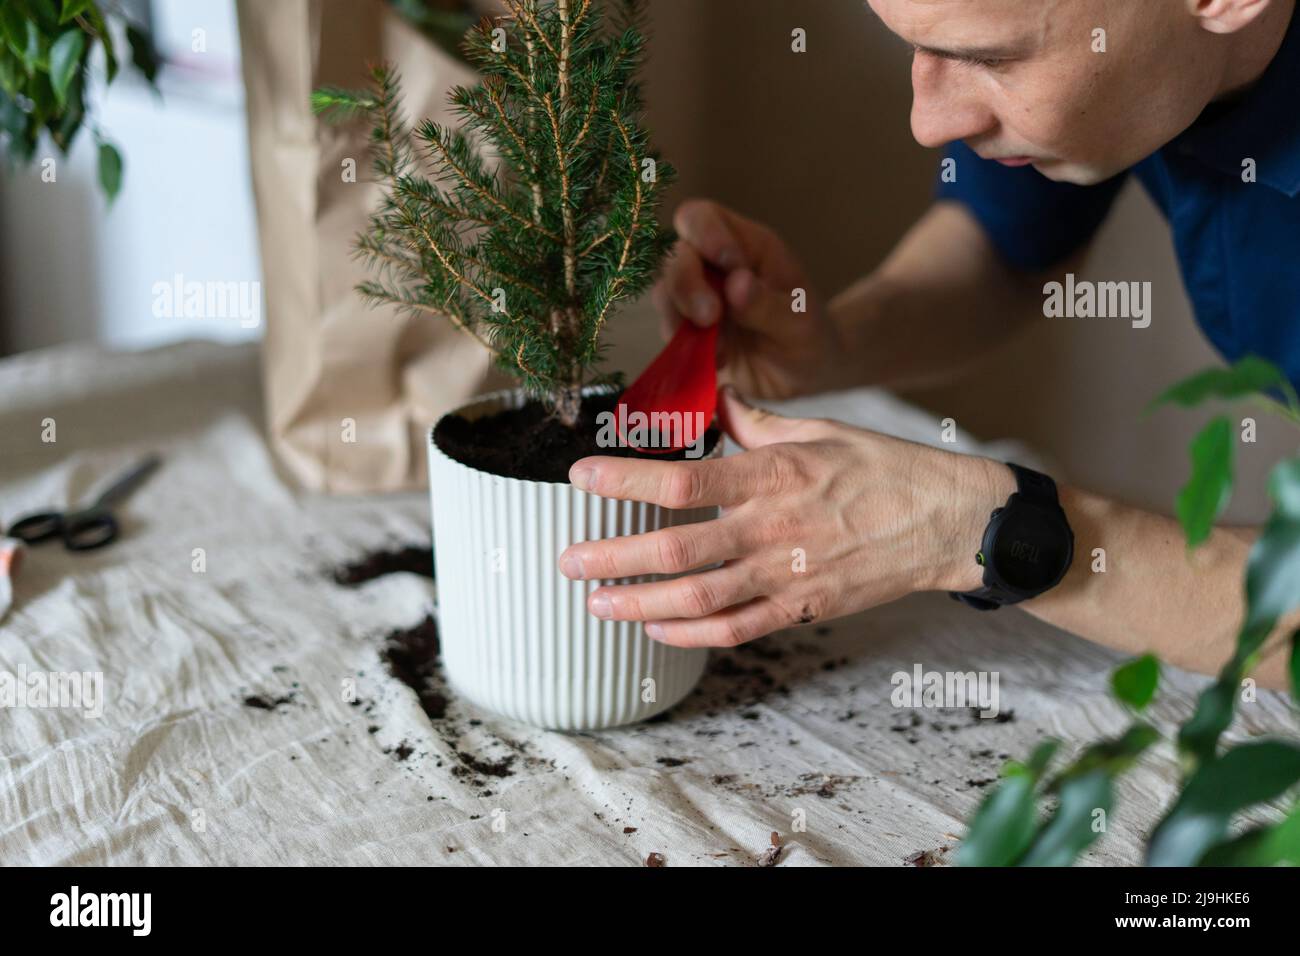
(1021, 81)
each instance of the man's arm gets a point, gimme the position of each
(942, 300)
(1153, 596)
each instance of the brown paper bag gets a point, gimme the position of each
(350, 390)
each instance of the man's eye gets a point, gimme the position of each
(979, 61)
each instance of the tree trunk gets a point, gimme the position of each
(568, 405)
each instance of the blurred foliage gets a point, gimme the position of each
(444, 22)
(46, 49)
(1030, 819)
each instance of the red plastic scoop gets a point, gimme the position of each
(683, 379)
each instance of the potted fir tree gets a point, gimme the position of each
(526, 227)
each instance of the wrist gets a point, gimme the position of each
(979, 486)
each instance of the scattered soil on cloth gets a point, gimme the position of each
(265, 702)
(411, 655)
(413, 559)
(527, 443)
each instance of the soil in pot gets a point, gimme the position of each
(527, 443)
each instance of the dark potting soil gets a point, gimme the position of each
(413, 559)
(265, 702)
(411, 655)
(527, 443)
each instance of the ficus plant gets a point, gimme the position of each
(1014, 826)
(528, 221)
(46, 50)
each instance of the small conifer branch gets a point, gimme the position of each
(591, 247)
(561, 158)
(566, 51)
(554, 221)
(421, 192)
(444, 257)
(586, 122)
(429, 135)
(616, 286)
(377, 293)
(534, 180)
(636, 178)
(524, 10)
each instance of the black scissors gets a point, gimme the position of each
(88, 528)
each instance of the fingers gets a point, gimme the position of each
(692, 596)
(724, 238)
(667, 551)
(712, 236)
(672, 484)
(685, 292)
(727, 628)
(751, 427)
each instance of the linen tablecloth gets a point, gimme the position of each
(249, 716)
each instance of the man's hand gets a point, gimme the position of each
(819, 519)
(766, 348)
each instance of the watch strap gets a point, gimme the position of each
(1034, 486)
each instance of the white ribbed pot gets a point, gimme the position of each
(515, 633)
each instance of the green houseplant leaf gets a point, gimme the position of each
(1294, 667)
(1114, 755)
(65, 61)
(1273, 574)
(1135, 683)
(1209, 488)
(110, 170)
(1199, 736)
(1073, 828)
(1262, 846)
(46, 49)
(1241, 778)
(1243, 378)
(143, 55)
(1003, 827)
(73, 9)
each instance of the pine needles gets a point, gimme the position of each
(527, 222)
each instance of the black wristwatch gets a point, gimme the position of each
(1027, 547)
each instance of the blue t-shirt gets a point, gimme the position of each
(1238, 242)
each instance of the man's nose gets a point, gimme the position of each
(946, 106)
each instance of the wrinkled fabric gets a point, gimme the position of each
(179, 769)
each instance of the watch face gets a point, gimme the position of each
(1031, 548)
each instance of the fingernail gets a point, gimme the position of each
(570, 565)
(654, 631)
(581, 477)
(599, 605)
(702, 306)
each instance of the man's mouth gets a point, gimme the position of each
(1014, 160)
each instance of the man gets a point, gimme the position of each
(1043, 131)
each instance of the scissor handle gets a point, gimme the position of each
(87, 530)
(37, 527)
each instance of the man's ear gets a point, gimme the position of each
(1226, 16)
